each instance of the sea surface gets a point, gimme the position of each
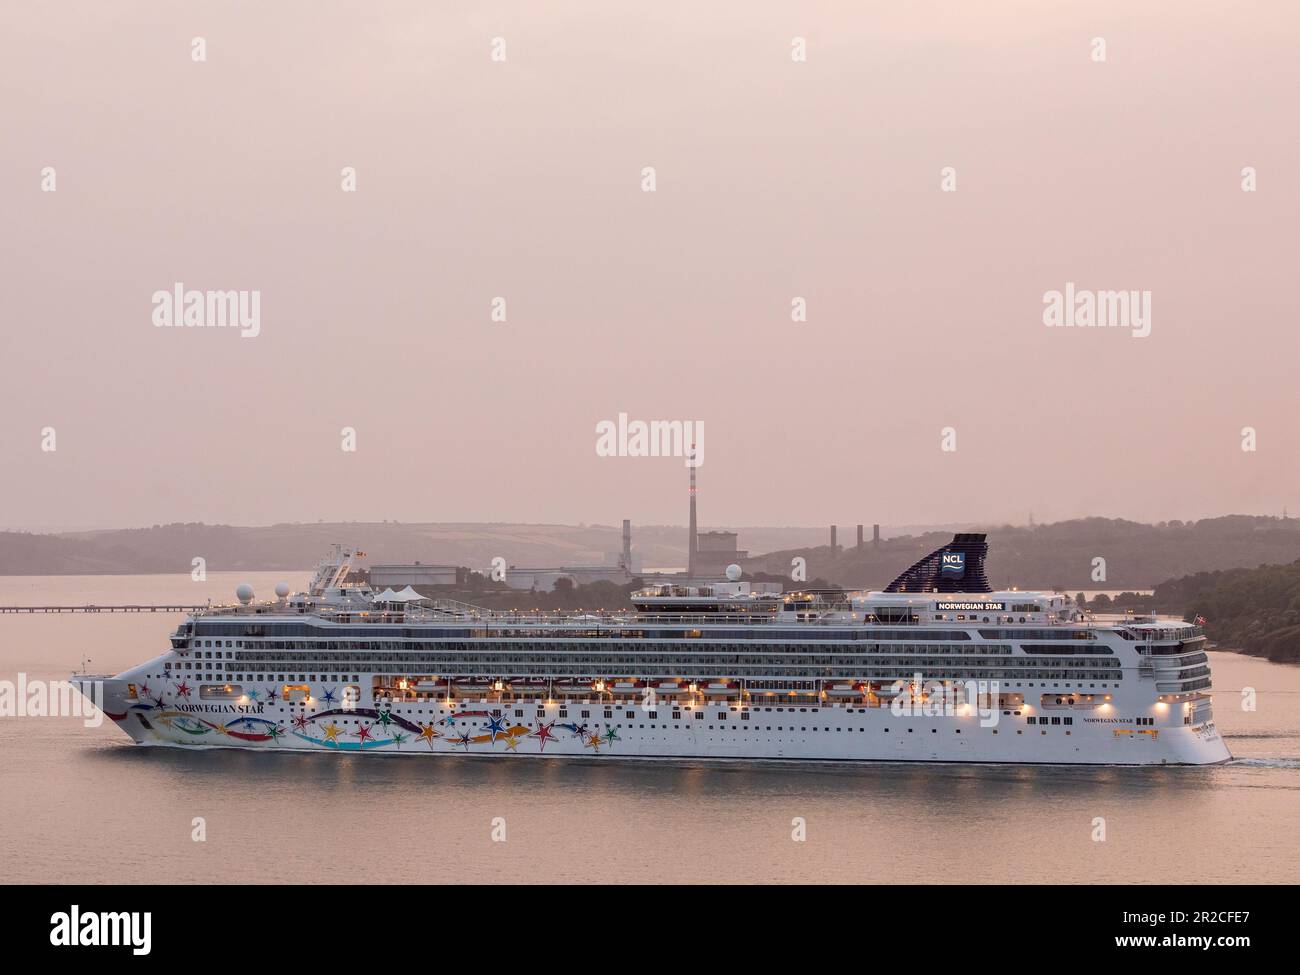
(83, 805)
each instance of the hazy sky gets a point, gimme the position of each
(523, 179)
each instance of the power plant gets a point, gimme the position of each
(708, 554)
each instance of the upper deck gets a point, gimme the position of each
(924, 604)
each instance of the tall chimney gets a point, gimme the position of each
(692, 541)
(834, 547)
(627, 544)
(859, 536)
(875, 535)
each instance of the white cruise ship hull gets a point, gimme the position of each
(836, 733)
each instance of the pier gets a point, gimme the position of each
(92, 608)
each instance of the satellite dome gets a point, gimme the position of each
(244, 593)
(282, 589)
(734, 572)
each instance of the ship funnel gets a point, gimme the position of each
(957, 567)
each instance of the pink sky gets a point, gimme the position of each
(775, 179)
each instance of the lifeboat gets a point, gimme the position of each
(528, 686)
(669, 688)
(472, 686)
(625, 686)
(844, 689)
(779, 694)
(574, 688)
(719, 688)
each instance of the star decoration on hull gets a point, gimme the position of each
(183, 690)
(332, 732)
(496, 729)
(428, 732)
(543, 733)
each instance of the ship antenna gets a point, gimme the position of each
(692, 540)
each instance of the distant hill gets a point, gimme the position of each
(1060, 555)
(170, 548)
(1256, 611)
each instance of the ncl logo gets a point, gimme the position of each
(953, 564)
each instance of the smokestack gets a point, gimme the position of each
(627, 544)
(834, 547)
(692, 541)
(859, 536)
(875, 535)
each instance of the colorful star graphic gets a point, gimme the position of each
(300, 722)
(332, 732)
(183, 690)
(252, 694)
(543, 732)
(496, 729)
(611, 736)
(364, 734)
(512, 742)
(328, 696)
(428, 732)
(385, 717)
(144, 690)
(595, 741)
(580, 731)
(275, 731)
(465, 740)
(398, 738)
(270, 693)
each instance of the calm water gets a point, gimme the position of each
(83, 805)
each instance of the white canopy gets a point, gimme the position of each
(407, 595)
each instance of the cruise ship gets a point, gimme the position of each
(937, 667)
